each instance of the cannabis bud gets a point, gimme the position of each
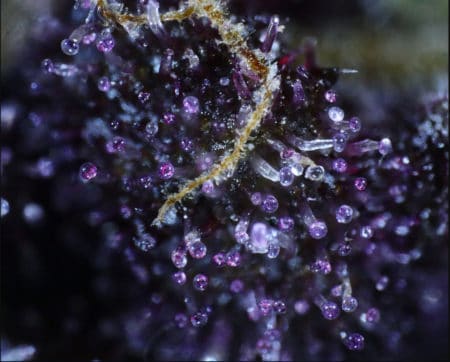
(253, 216)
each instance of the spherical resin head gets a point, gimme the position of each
(318, 229)
(330, 310)
(354, 342)
(88, 171)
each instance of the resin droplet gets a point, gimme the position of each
(200, 282)
(279, 307)
(269, 204)
(286, 223)
(354, 124)
(199, 319)
(105, 43)
(219, 259)
(197, 250)
(166, 171)
(103, 84)
(4, 207)
(70, 46)
(349, 304)
(372, 315)
(330, 310)
(344, 214)
(318, 229)
(336, 114)
(330, 96)
(88, 171)
(47, 65)
(265, 306)
(151, 128)
(340, 141)
(256, 198)
(360, 183)
(179, 258)
(233, 258)
(145, 242)
(191, 105)
(286, 176)
(315, 173)
(385, 146)
(116, 145)
(273, 250)
(340, 165)
(354, 342)
(179, 277)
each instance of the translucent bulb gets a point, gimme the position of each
(70, 46)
